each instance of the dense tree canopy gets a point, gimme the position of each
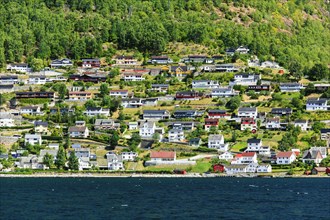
(296, 33)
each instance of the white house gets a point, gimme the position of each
(131, 103)
(247, 112)
(204, 84)
(129, 156)
(61, 63)
(133, 77)
(8, 79)
(242, 50)
(30, 110)
(125, 60)
(264, 168)
(226, 67)
(162, 156)
(285, 157)
(273, 123)
(115, 162)
(264, 150)
(317, 105)
(176, 135)
(254, 145)
(226, 156)
(291, 87)
(19, 67)
(38, 80)
(82, 152)
(32, 139)
(236, 168)
(156, 114)
(94, 111)
(84, 163)
(106, 124)
(148, 129)
(270, 64)
(223, 92)
(6, 121)
(245, 158)
(303, 124)
(160, 60)
(159, 87)
(78, 131)
(245, 79)
(119, 93)
(217, 141)
(133, 125)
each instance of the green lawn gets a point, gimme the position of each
(201, 167)
(239, 146)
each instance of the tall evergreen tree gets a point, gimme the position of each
(60, 158)
(73, 161)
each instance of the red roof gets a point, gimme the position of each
(162, 154)
(249, 154)
(284, 154)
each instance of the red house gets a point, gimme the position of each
(209, 122)
(219, 168)
(183, 172)
(218, 114)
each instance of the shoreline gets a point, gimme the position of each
(116, 175)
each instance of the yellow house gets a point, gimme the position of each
(180, 71)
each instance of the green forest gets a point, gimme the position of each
(296, 33)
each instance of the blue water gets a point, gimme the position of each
(164, 198)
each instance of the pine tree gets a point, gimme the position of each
(60, 158)
(49, 160)
(73, 162)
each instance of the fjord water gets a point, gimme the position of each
(164, 198)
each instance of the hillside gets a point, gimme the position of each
(294, 33)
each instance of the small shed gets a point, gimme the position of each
(218, 168)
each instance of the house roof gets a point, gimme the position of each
(162, 154)
(77, 129)
(290, 84)
(215, 137)
(41, 123)
(325, 130)
(155, 112)
(280, 110)
(284, 154)
(159, 85)
(183, 68)
(32, 136)
(217, 111)
(248, 154)
(321, 169)
(9, 77)
(316, 101)
(312, 154)
(300, 121)
(30, 107)
(93, 108)
(159, 57)
(247, 109)
(91, 59)
(254, 141)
